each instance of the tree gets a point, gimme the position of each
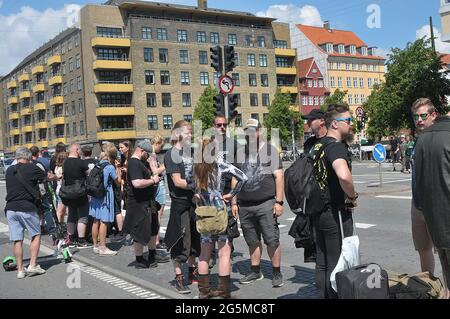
(204, 110)
(413, 72)
(336, 98)
(280, 116)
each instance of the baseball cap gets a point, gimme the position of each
(145, 145)
(252, 123)
(314, 114)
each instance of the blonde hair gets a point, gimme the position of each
(157, 139)
(110, 151)
(424, 101)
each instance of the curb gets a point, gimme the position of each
(386, 192)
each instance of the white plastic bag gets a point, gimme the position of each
(349, 254)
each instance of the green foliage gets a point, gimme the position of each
(336, 98)
(204, 110)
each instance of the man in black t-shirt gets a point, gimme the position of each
(316, 123)
(334, 176)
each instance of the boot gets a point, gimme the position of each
(204, 287)
(223, 288)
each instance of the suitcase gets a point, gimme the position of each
(368, 281)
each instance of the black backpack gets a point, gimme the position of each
(302, 187)
(94, 182)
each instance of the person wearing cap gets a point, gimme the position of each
(141, 220)
(260, 202)
(316, 122)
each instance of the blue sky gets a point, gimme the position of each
(401, 20)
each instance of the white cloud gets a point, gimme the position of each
(290, 13)
(25, 31)
(383, 52)
(441, 46)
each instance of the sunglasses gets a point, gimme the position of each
(348, 120)
(422, 116)
(222, 125)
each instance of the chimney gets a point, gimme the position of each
(326, 25)
(202, 4)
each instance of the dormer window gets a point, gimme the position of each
(353, 49)
(341, 49)
(364, 50)
(329, 47)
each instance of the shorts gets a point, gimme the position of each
(444, 256)
(160, 196)
(209, 239)
(117, 202)
(420, 234)
(259, 220)
(141, 221)
(79, 214)
(19, 221)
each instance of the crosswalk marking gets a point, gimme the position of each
(393, 197)
(364, 226)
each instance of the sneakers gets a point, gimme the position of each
(81, 244)
(180, 286)
(251, 277)
(277, 280)
(95, 250)
(34, 270)
(21, 274)
(105, 251)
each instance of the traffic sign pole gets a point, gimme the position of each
(379, 154)
(381, 175)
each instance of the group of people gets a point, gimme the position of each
(401, 152)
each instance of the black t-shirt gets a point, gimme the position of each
(53, 164)
(176, 161)
(17, 197)
(74, 169)
(138, 170)
(309, 143)
(227, 151)
(260, 185)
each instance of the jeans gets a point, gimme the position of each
(328, 243)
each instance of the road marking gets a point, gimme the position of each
(364, 226)
(393, 197)
(292, 218)
(3, 228)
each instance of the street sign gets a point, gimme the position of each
(359, 112)
(226, 84)
(379, 153)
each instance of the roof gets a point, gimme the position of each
(304, 66)
(445, 58)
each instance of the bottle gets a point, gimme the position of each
(218, 202)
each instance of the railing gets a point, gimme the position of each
(112, 59)
(56, 74)
(114, 82)
(57, 95)
(116, 129)
(114, 105)
(103, 35)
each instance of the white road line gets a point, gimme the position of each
(393, 197)
(364, 226)
(292, 218)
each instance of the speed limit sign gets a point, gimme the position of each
(226, 84)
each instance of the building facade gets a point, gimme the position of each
(444, 12)
(131, 69)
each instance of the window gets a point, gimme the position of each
(109, 32)
(74, 125)
(356, 99)
(63, 67)
(72, 86)
(280, 44)
(352, 50)
(321, 83)
(355, 82)
(148, 54)
(332, 83)
(338, 66)
(341, 49)
(330, 65)
(165, 77)
(282, 62)
(152, 121)
(73, 108)
(216, 77)
(185, 78)
(361, 83)
(68, 130)
(329, 47)
(65, 89)
(322, 100)
(347, 66)
(151, 99)
(360, 67)
(349, 82)
(316, 100)
(310, 100)
(214, 37)
(304, 100)
(182, 35)
(353, 66)
(70, 65)
(340, 81)
(167, 122)
(146, 33)
(261, 42)
(166, 100)
(238, 120)
(80, 106)
(252, 79)
(78, 61)
(315, 83)
(265, 99)
(263, 60)
(350, 99)
(369, 83)
(375, 81)
(204, 78)
(186, 99)
(69, 45)
(79, 84)
(201, 36)
(255, 116)
(253, 99)
(264, 80)
(250, 59)
(161, 34)
(238, 99)
(310, 83)
(236, 59)
(202, 57)
(149, 77)
(163, 55)
(363, 98)
(184, 56)
(236, 79)
(187, 118)
(232, 39)
(364, 50)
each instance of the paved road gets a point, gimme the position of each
(382, 223)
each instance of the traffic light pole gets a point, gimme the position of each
(225, 105)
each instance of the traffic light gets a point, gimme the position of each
(219, 105)
(228, 52)
(216, 58)
(232, 105)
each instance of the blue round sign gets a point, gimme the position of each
(379, 153)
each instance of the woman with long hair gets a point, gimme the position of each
(61, 209)
(126, 151)
(207, 180)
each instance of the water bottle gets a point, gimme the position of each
(218, 202)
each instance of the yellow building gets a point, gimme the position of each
(444, 11)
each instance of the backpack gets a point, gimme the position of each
(422, 285)
(302, 187)
(95, 186)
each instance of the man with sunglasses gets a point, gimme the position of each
(316, 122)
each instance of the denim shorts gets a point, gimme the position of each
(160, 196)
(19, 221)
(208, 239)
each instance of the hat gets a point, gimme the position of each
(252, 123)
(145, 145)
(314, 115)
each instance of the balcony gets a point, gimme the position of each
(28, 145)
(37, 69)
(25, 111)
(285, 52)
(40, 87)
(57, 120)
(42, 124)
(14, 131)
(25, 95)
(14, 116)
(59, 140)
(54, 59)
(58, 99)
(112, 64)
(114, 110)
(117, 134)
(113, 87)
(27, 128)
(286, 71)
(11, 84)
(24, 77)
(57, 79)
(39, 106)
(13, 100)
(111, 42)
(289, 89)
(42, 143)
